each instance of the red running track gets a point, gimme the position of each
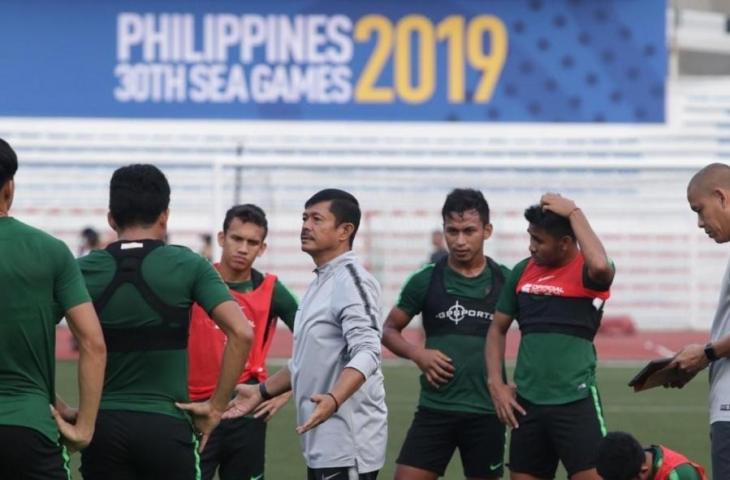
(641, 345)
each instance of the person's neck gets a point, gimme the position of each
(230, 275)
(568, 258)
(4, 209)
(141, 233)
(327, 256)
(472, 268)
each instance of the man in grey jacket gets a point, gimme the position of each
(335, 368)
(708, 194)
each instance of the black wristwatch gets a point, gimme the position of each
(710, 352)
(264, 393)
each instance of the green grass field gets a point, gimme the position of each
(676, 418)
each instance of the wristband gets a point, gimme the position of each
(337, 404)
(576, 209)
(264, 393)
(710, 352)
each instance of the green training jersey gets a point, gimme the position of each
(558, 311)
(151, 380)
(39, 281)
(284, 303)
(457, 311)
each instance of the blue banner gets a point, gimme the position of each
(485, 61)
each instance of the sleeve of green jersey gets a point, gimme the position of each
(69, 288)
(507, 302)
(209, 290)
(284, 304)
(413, 294)
(685, 472)
(589, 283)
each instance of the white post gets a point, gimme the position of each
(694, 287)
(218, 207)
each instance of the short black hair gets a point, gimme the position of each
(344, 207)
(551, 222)
(138, 195)
(90, 235)
(620, 457)
(461, 200)
(246, 213)
(8, 162)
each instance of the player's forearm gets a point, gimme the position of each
(91, 366)
(494, 353)
(238, 345)
(279, 383)
(591, 247)
(229, 318)
(394, 341)
(349, 382)
(722, 346)
(234, 359)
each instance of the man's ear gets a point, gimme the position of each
(163, 218)
(262, 249)
(488, 229)
(346, 232)
(644, 472)
(722, 196)
(221, 238)
(111, 222)
(8, 192)
(565, 243)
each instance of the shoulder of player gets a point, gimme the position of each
(173, 249)
(179, 253)
(502, 267)
(37, 234)
(520, 266)
(92, 258)
(422, 276)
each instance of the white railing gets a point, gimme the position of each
(629, 179)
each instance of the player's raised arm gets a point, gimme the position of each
(599, 267)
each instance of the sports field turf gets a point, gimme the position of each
(676, 418)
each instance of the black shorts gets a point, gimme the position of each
(550, 433)
(236, 448)
(139, 445)
(435, 434)
(27, 454)
(339, 473)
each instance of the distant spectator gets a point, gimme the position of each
(89, 241)
(439, 249)
(206, 250)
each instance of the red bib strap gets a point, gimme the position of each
(207, 342)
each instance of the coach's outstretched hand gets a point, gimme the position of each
(326, 407)
(504, 398)
(435, 365)
(269, 408)
(205, 419)
(75, 437)
(247, 398)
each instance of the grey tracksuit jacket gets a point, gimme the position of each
(338, 325)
